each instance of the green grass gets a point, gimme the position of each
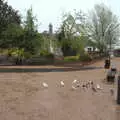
(82, 58)
(71, 58)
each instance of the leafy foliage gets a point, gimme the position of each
(70, 33)
(99, 30)
(31, 36)
(46, 54)
(8, 15)
(12, 36)
(103, 27)
(85, 57)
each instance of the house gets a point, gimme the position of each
(91, 49)
(117, 52)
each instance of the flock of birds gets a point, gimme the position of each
(76, 84)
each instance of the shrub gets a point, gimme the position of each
(1, 51)
(17, 52)
(85, 57)
(27, 55)
(45, 53)
(71, 58)
(50, 55)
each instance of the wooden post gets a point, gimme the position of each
(118, 90)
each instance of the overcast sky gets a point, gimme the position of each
(51, 10)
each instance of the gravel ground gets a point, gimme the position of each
(22, 96)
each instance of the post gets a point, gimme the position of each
(118, 90)
(110, 47)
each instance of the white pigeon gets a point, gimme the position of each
(74, 81)
(89, 82)
(73, 88)
(98, 87)
(45, 85)
(62, 83)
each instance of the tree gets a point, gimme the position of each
(12, 36)
(103, 27)
(74, 23)
(10, 28)
(72, 27)
(29, 23)
(30, 33)
(8, 15)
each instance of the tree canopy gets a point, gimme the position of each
(103, 27)
(99, 29)
(8, 15)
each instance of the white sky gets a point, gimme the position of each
(51, 10)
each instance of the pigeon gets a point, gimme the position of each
(62, 83)
(94, 89)
(89, 81)
(73, 88)
(87, 85)
(98, 87)
(92, 83)
(45, 85)
(83, 86)
(78, 85)
(74, 81)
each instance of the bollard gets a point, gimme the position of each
(111, 76)
(118, 90)
(107, 63)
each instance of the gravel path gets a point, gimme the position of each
(22, 96)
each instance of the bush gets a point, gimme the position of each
(85, 57)
(45, 53)
(50, 55)
(27, 55)
(71, 58)
(1, 51)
